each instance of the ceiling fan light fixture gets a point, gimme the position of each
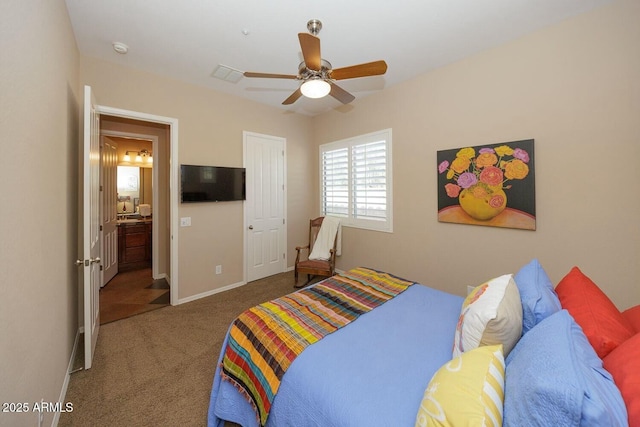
(315, 88)
(317, 75)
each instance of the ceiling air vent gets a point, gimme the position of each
(227, 74)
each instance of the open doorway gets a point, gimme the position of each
(135, 200)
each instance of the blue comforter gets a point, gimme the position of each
(372, 372)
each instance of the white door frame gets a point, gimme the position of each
(173, 185)
(284, 203)
(154, 190)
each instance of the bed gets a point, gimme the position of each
(420, 356)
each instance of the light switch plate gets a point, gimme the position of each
(185, 221)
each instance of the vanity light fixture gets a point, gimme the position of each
(139, 156)
(145, 153)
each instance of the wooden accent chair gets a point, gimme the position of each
(313, 267)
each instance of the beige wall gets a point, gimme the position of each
(210, 132)
(574, 88)
(39, 111)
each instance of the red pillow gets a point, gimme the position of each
(602, 323)
(633, 316)
(622, 364)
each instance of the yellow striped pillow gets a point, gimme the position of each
(467, 390)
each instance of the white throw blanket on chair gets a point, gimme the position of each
(326, 236)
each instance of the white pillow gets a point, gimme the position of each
(491, 314)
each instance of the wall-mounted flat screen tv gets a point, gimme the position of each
(211, 184)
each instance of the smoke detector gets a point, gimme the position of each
(121, 48)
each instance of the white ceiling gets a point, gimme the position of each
(188, 39)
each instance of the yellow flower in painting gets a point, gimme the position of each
(516, 169)
(460, 164)
(504, 150)
(468, 152)
(486, 159)
(451, 173)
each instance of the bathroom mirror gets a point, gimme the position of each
(134, 188)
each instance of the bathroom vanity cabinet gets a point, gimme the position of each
(134, 244)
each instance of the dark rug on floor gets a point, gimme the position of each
(159, 284)
(162, 299)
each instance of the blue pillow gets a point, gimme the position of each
(539, 300)
(553, 373)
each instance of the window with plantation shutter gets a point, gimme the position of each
(355, 180)
(335, 179)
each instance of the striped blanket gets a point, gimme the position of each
(264, 340)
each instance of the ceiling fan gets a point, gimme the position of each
(317, 76)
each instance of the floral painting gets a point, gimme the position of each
(492, 185)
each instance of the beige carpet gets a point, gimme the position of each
(156, 369)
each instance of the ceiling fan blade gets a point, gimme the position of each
(340, 94)
(310, 46)
(293, 97)
(269, 76)
(375, 68)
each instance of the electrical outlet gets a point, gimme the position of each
(218, 269)
(185, 221)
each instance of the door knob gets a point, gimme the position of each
(251, 227)
(94, 260)
(79, 262)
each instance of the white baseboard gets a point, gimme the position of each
(212, 292)
(163, 276)
(216, 291)
(67, 378)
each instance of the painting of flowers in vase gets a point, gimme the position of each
(492, 185)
